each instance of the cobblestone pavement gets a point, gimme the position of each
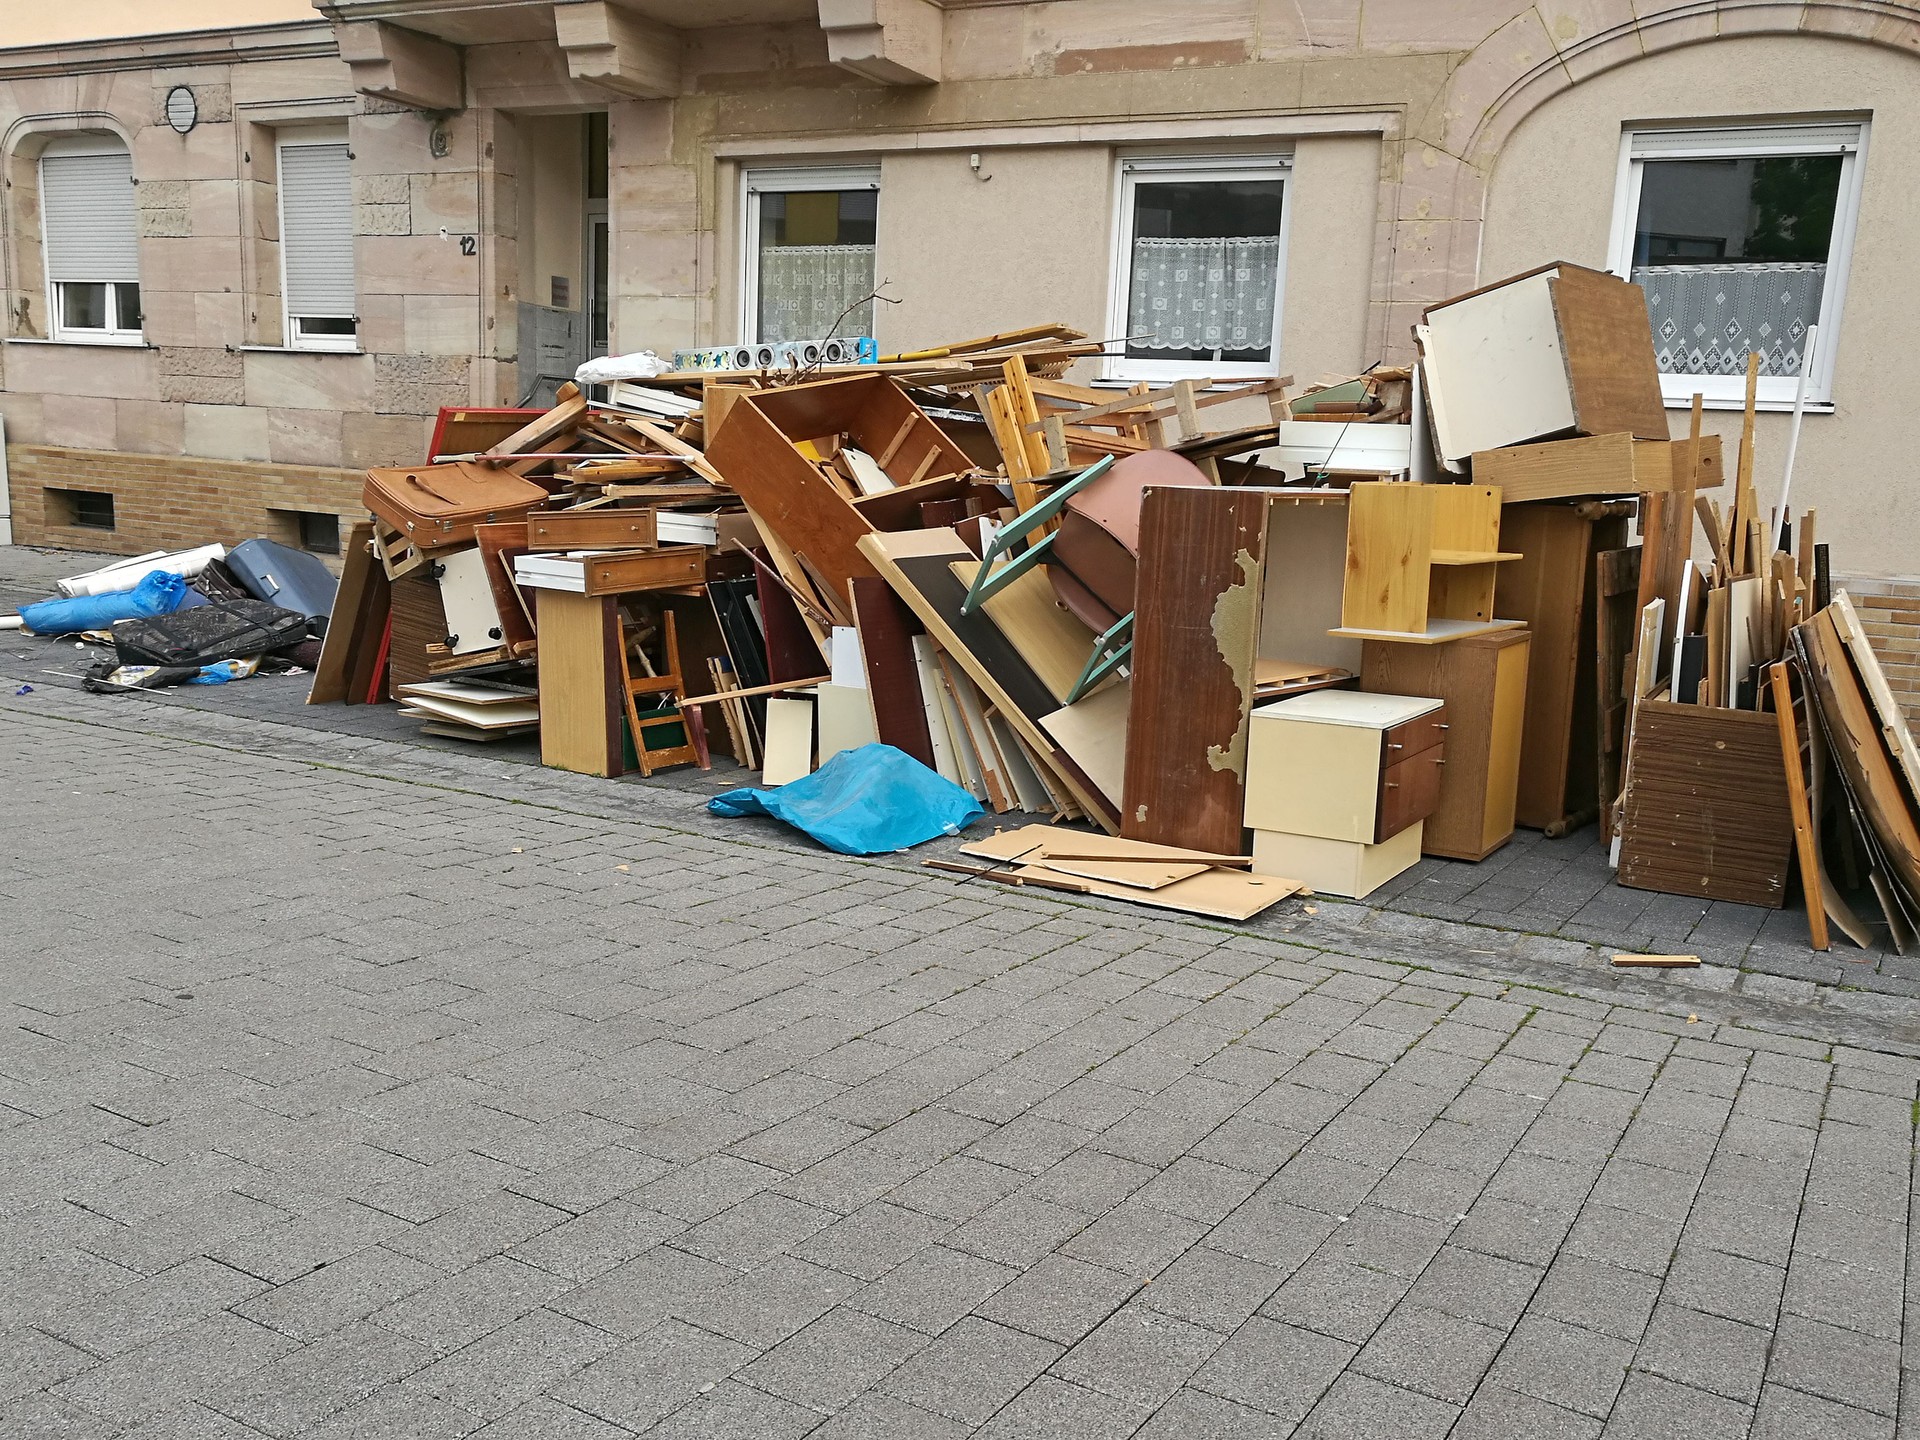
(350, 1088)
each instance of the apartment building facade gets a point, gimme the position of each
(244, 263)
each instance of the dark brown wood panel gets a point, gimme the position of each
(887, 629)
(1706, 807)
(1195, 630)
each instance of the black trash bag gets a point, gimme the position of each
(218, 630)
(99, 678)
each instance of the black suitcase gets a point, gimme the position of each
(284, 576)
(217, 630)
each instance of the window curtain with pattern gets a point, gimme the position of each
(1706, 318)
(804, 290)
(1203, 293)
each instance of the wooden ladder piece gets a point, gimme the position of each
(668, 687)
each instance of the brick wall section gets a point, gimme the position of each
(169, 501)
(1889, 611)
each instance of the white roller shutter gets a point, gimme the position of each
(316, 229)
(86, 206)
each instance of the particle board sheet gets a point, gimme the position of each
(1608, 344)
(917, 563)
(789, 751)
(477, 717)
(1054, 643)
(1195, 632)
(1215, 893)
(1707, 811)
(1093, 730)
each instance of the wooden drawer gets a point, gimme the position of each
(647, 570)
(1406, 740)
(1409, 791)
(629, 529)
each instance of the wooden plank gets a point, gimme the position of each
(926, 667)
(973, 719)
(1052, 641)
(1655, 962)
(886, 630)
(1706, 809)
(1805, 841)
(1591, 465)
(1196, 629)
(1616, 639)
(1608, 344)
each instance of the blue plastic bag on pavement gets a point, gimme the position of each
(158, 593)
(863, 802)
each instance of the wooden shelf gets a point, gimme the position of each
(1438, 631)
(1470, 557)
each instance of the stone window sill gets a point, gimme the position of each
(83, 344)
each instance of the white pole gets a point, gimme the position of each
(1793, 434)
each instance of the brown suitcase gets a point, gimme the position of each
(439, 505)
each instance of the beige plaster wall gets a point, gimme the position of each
(968, 256)
(1551, 198)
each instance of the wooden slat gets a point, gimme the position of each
(1805, 840)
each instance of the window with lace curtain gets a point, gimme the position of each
(1199, 248)
(809, 253)
(1741, 239)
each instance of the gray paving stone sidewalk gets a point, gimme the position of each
(350, 1088)
(1533, 892)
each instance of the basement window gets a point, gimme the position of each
(86, 509)
(1741, 238)
(315, 531)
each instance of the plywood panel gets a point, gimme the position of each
(1093, 730)
(1389, 540)
(1195, 633)
(1593, 465)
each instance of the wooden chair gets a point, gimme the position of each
(666, 689)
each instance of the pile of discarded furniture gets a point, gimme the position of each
(1259, 640)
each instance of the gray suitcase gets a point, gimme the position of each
(283, 576)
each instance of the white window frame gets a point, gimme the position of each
(1130, 171)
(1847, 139)
(784, 179)
(295, 336)
(114, 333)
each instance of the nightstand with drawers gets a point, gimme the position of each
(1338, 783)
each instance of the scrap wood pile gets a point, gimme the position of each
(1289, 645)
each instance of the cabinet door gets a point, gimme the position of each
(1409, 791)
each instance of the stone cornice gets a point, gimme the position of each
(300, 39)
